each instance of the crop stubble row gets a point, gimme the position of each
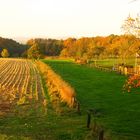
(20, 81)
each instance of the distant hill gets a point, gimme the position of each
(15, 49)
(22, 40)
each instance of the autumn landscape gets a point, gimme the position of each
(69, 70)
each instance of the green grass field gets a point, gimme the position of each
(116, 61)
(102, 91)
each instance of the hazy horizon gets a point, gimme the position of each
(25, 19)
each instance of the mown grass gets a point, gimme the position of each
(115, 61)
(32, 124)
(103, 91)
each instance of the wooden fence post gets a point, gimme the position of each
(88, 119)
(78, 108)
(101, 135)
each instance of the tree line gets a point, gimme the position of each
(86, 48)
(112, 46)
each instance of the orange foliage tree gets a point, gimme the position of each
(132, 82)
(121, 46)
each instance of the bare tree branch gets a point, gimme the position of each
(133, 1)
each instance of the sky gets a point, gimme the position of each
(64, 18)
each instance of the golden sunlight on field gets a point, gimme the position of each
(20, 83)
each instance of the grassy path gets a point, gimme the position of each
(103, 91)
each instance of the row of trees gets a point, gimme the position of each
(122, 46)
(86, 48)
(35, 48)
(101, 47)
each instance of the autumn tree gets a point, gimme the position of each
(69, 49)
(48, 47)
(131, 26)
(34, 52)
(53, 47)
(81, 47)
(5, 53)
(90, 49)
(112, 46)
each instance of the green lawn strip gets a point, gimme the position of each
(103, 91)
(66, 125)
(26, 124)
(114, 61)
